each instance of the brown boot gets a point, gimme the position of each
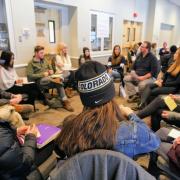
(69, 92)
(67, 106)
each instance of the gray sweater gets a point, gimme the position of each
(99, 165)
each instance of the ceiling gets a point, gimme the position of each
(177, 2)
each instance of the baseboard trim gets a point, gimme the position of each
(20, 65)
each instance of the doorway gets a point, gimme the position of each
(132, 32)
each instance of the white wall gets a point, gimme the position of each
(21, 13)
(119, 8)
(78, 19)
(49, 14)
(150, 20)
(166, 13)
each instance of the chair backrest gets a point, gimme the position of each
(99, 165)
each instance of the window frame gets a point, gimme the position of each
(102, 51)
(54, 33)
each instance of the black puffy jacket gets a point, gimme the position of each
(16, 161)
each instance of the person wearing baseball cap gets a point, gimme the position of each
(103, 124)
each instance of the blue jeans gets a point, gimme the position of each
(115, 74)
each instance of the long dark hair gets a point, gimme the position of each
(7, 56)
(93, 128)
(113, 54)
(84, 50)
(116, 59)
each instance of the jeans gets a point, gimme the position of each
(115, 74)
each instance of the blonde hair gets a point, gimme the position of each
(8, 113)
(61, 46)
(174, 69)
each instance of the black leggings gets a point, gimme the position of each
(31, 90)
(154, 109)
(151, 108)
(151, 91)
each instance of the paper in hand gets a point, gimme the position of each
(170, 103)
(174, 133)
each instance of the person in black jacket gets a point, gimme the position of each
(169, 85)
(86, 56)
(16, 160)
(164, 50)
(144, 71)
(168, 59)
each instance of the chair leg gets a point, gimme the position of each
(152, 167)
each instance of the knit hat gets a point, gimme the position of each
(94, 84)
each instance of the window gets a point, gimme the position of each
(51, 31)
(4, 35)
(108, 40)
(101, 31)
(128, 34)
(134, 34)
(95, 41)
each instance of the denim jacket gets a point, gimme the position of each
(135, 137)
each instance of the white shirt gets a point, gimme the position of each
(7, 78)
(65, 61)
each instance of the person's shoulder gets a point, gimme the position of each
(152, 56)
(31, 61)
(6, 135)
(139, 56)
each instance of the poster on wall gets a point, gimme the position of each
(103, 25)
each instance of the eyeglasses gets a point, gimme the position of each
(143, 47)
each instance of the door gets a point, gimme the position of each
(131, 34)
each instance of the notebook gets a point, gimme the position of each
(47, 133)
(170, 103)
(68, 68)
(174, 133)
(56, 76)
